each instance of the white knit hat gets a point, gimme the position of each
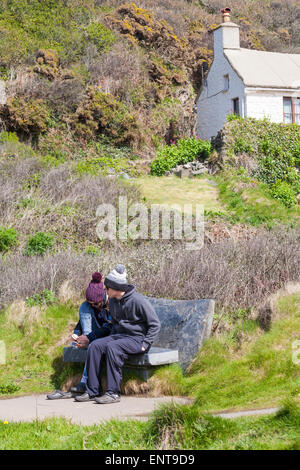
(117, 279)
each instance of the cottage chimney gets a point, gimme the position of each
(226, 15)
(227, 35)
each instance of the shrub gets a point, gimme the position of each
(46, 297)
(8, 137)
(284, 193)
(5, 389)
(8, 238)
(296, 153)
(102, 37)
(27, 117)
(275, 149)
(93, 250)
(39, 243)
(186, 150)
(101, 113)
(272, 169)
(242, 145)
(249, 271)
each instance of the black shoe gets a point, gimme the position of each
(80, 388)
(58, 395)
(84, 397)
(108, 398)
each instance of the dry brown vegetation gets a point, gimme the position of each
(236, 274)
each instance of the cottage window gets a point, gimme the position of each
(236, 106)
(226, 82)
(291, 110)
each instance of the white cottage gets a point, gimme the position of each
(247, 82)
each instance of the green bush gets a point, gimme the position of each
(8, 137)
(102, 37)
(26, 116)
(5, 389)
(39, 243)
(242, 145)
(263, 136)
(296, 153)
(272, 169)
(186, 150)
(8, 238)
(46, 297)
(276, 149)
(93, 250)
(282, 191)
(102, 114)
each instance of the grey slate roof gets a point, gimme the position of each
(265, 69)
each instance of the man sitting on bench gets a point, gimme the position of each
(135, 327)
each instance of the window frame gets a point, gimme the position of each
(226, 82)
(236, 100)
(292, 100)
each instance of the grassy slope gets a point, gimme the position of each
(179, 427)
(172, 190)
(226, 196)
(255, 373)
(34, 339)
(252, 205)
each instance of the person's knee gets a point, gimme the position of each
(97, 346)
(112, 350)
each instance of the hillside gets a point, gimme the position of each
(81, 71)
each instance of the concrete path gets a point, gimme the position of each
(33, 407)
(30, 408)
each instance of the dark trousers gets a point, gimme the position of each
(115, 349)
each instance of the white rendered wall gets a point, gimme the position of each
(213, 104)
(267, 103)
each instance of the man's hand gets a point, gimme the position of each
(143, 348)
(82, 341)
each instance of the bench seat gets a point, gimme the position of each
(142, 365)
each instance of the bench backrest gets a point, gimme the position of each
(185, 324)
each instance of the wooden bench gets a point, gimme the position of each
(185, 324)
